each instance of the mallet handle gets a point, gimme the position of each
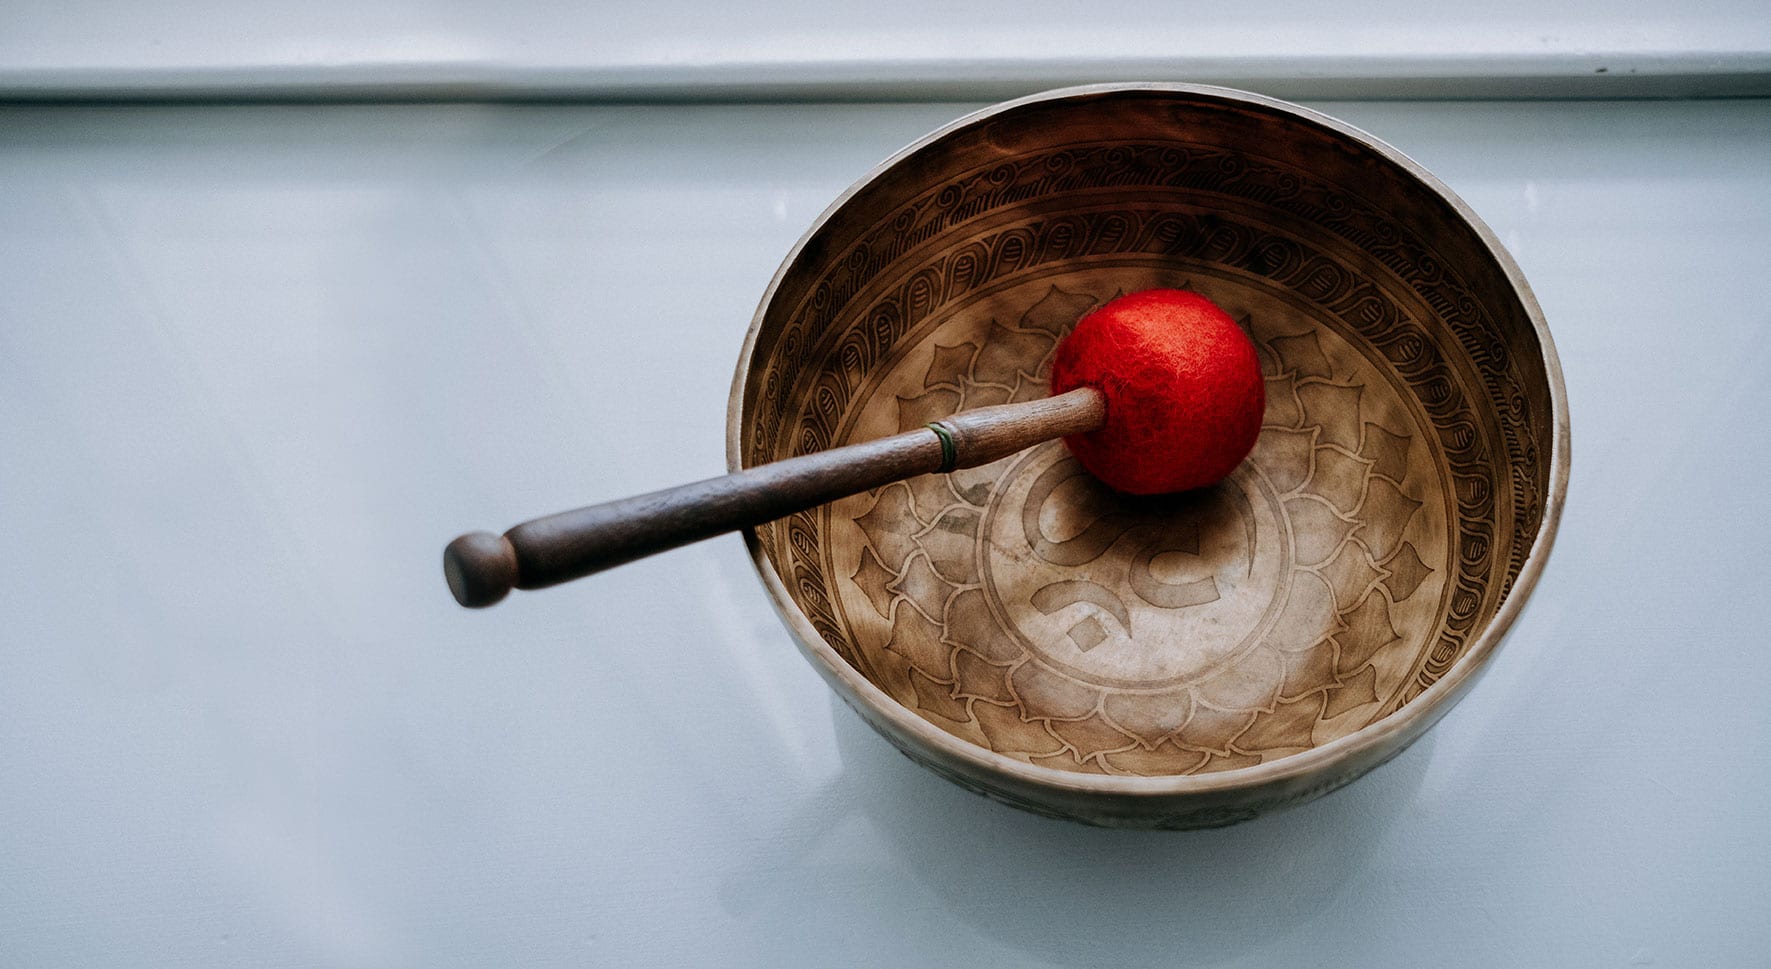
(482, 568)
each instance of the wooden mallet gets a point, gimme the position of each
(1157, 391)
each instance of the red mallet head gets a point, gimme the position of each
(1183, 386)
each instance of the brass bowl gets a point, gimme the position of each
(1193, 660)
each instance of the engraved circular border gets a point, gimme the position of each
(813, 574)
(824, 418)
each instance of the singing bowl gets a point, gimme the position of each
(1191, 660)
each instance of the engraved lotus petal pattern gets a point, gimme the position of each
(1140, 635)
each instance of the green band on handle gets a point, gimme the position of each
(949, 451)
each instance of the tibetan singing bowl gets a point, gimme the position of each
(1182, 661)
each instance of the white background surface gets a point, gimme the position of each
(694, 48)
(258, 364)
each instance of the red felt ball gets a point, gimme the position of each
(1183, 386)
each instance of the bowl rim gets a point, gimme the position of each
(1371, 739)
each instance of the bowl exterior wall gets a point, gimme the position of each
(1395, 516)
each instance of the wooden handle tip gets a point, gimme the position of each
(481, 568)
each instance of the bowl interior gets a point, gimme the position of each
(1398, 484)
